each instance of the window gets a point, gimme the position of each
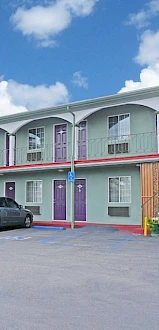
(34, 209)
(34, 191)
(36, 138)
(12, 204)
(118, 148)
(3, 202)
(118, 211)
(120, 189)
(119, 126)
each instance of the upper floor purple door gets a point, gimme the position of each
(82, 140)
(60, 143)
(10, 189)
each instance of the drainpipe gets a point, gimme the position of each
(73, 170)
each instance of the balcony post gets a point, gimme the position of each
(11, 149)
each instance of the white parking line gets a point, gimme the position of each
(15, 238)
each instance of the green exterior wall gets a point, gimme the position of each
(48, 124)
(143, 139)
(97, 192)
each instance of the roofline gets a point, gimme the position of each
(111, 100)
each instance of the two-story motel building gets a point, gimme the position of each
(116, 159)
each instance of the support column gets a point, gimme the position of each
(73, 170)
(11, 149)
(76, 143)
(72, 201)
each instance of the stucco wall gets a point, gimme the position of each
(48, 124)
(142, 140)
(97, 192)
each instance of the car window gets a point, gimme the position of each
(12, 203)
(3, 202)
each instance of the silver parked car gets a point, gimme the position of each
(13, 214)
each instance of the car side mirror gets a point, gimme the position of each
(20, 206)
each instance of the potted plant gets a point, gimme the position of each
(153, 225)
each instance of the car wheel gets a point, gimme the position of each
(27, 222)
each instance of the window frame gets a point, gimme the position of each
(33, 202)
(118, 137)
(15, 203)
(36, 150)
(119, 177)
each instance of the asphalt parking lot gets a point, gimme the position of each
(95, 278)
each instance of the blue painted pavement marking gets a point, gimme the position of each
(49, 228)
(129, 238)
(71, 235)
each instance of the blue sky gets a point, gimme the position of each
(54, 52)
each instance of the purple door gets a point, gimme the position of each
(7, 149)
(60, 143)
(80, 199)
(60, 200)
(10, 190)
(82, 140)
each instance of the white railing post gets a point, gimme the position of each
(11, 149)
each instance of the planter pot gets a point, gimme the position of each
(155, 231)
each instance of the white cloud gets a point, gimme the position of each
(47, 43)
(139, 19)
(148, 53)
(45, 22)
(16, 97)
(7, 107)
(143, 17)
(149, 77)
(1, 77)
(79, 80)
(148, 49)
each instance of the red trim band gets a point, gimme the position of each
(80, 162)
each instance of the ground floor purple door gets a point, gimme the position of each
(10, 189)
(80, 200)
(82, 140)
(60, 143)
(59, 200)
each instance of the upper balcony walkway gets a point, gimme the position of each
(92, 149)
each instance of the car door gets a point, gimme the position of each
(3, 212)
(13, 213)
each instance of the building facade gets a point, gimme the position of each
(116, 159)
